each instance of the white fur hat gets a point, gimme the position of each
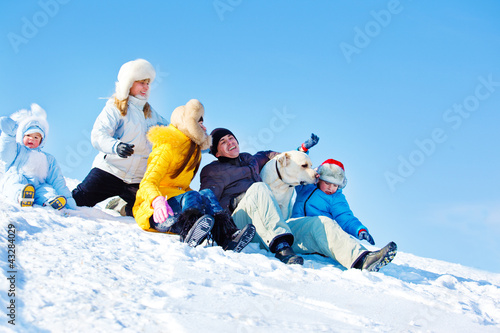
(130, 72)
(186, 117)
(31, 121)
(333, 171)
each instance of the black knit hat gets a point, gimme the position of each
(218, 134)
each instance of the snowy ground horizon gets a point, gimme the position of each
(90, 270)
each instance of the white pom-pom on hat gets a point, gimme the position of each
(333, 171)
(135, 70)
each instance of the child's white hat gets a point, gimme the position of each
(130, 72)
(333, 171)
(31, 121)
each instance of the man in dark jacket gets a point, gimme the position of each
(235, 180)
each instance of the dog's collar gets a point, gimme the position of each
(279, 174)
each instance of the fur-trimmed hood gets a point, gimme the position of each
(166, 134)
(186, 117)
(34, 120)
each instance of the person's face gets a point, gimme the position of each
(228, 147)
(327, 187)
(202, 126)
(32, 140)
(140, 88)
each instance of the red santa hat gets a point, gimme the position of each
(333, 171)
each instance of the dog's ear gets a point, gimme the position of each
(284, 159)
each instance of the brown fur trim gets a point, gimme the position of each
(186, 118)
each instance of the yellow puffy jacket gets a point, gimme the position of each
(170, 147)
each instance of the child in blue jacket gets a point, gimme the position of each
(326, 199)
(30, 176)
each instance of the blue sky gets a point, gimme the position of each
(405, 93)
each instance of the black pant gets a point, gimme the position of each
(100, 185)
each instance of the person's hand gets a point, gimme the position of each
(162, 209)
(309, 143)
(124, 150)
(363, 234)
(8, 126)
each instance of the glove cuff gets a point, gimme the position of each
(304, 148)
(361, 230)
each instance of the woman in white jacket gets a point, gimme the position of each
(119, 133)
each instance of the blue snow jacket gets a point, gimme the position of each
(22, 165)
(311, 201)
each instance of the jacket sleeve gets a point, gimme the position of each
(211, 179)
(56, 179)
(342, 214)
(263, 157)
(104, 129)
(9, 148)
(159, 119)
(158, 165)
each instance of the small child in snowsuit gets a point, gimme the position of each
(31, 176)
(326, 199)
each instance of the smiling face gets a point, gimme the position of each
(228, 147)
(32, 140)
(140, 89)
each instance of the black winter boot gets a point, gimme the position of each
(195, 226)
(240, 239)
(228, 236)
(286, 255)
(374, 260)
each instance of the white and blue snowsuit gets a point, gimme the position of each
(23, 165)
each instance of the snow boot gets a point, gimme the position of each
(227, 235)
(56, 203)
(372, 261)
(195, 227)
(287, 256)
(118, 205)
(240, 239)
(27, 197)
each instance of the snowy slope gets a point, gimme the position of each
(92, 271)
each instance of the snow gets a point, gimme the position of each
(90, 270)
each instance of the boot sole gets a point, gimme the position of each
(28, 196)
(199, 230)
(58, 202)
(245, 236)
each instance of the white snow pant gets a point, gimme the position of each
(259, 207)
(320, 234)
(43, 192)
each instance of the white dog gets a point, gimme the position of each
(283, 173)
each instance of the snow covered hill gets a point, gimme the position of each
(92, 271)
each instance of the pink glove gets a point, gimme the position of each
(162, 209)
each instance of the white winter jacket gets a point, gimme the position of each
(111, 128)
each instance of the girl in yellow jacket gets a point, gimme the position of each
(166, 203)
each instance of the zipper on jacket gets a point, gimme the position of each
(305, 213)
